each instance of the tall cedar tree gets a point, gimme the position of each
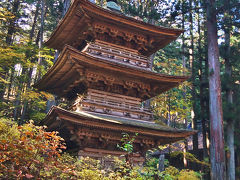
(217, 154)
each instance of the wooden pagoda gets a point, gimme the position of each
(104, 71)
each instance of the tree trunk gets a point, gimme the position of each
(16, 110)
(193, 66)
(184, 66)
(218, 169)
(25, 102)
(206, 92)
(237, 133)
(40, 59)
(201, 79)
(66, 5)
(42, 24)
(9, 88)
(229, 94)
(183, 42)
(12, 23)
(101, 3)
(35, 20)
(18, 101)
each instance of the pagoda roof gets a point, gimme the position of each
(114, 123)
(81, 23)
(71, 66)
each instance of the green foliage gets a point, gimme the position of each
(150, 170)
(148, 11)
(37, 116)
(169, 61)
(127, 142)
(122, 170)
(186, 174)
(170, 173)
(5, 15)
(5, 109)
(19, 59)
(174, 105)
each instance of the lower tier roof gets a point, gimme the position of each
(114, 124)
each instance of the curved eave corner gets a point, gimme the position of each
(52, 70)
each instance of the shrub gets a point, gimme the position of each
(28, 152)
(186, 174)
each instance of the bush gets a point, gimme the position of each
(28, 152)
(186, 174)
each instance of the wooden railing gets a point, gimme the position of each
(112, 104)
(113, 53)
(116, 100)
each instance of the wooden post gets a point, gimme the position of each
(161, 162)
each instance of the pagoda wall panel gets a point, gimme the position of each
(112, 104)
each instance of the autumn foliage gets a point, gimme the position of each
(29, 151)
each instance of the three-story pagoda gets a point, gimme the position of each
(104, 70)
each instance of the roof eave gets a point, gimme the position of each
(107, 14)
(68, 51)
(59, 113)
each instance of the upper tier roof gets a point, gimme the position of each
(86, 21)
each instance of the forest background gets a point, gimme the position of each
(26, 24)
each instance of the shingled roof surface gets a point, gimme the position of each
(103, 118)
(127, 121)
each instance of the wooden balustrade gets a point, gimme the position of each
(113, 104)
(114, 53)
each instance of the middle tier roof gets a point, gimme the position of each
(76, 71)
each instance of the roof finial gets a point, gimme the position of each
(113, 5)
